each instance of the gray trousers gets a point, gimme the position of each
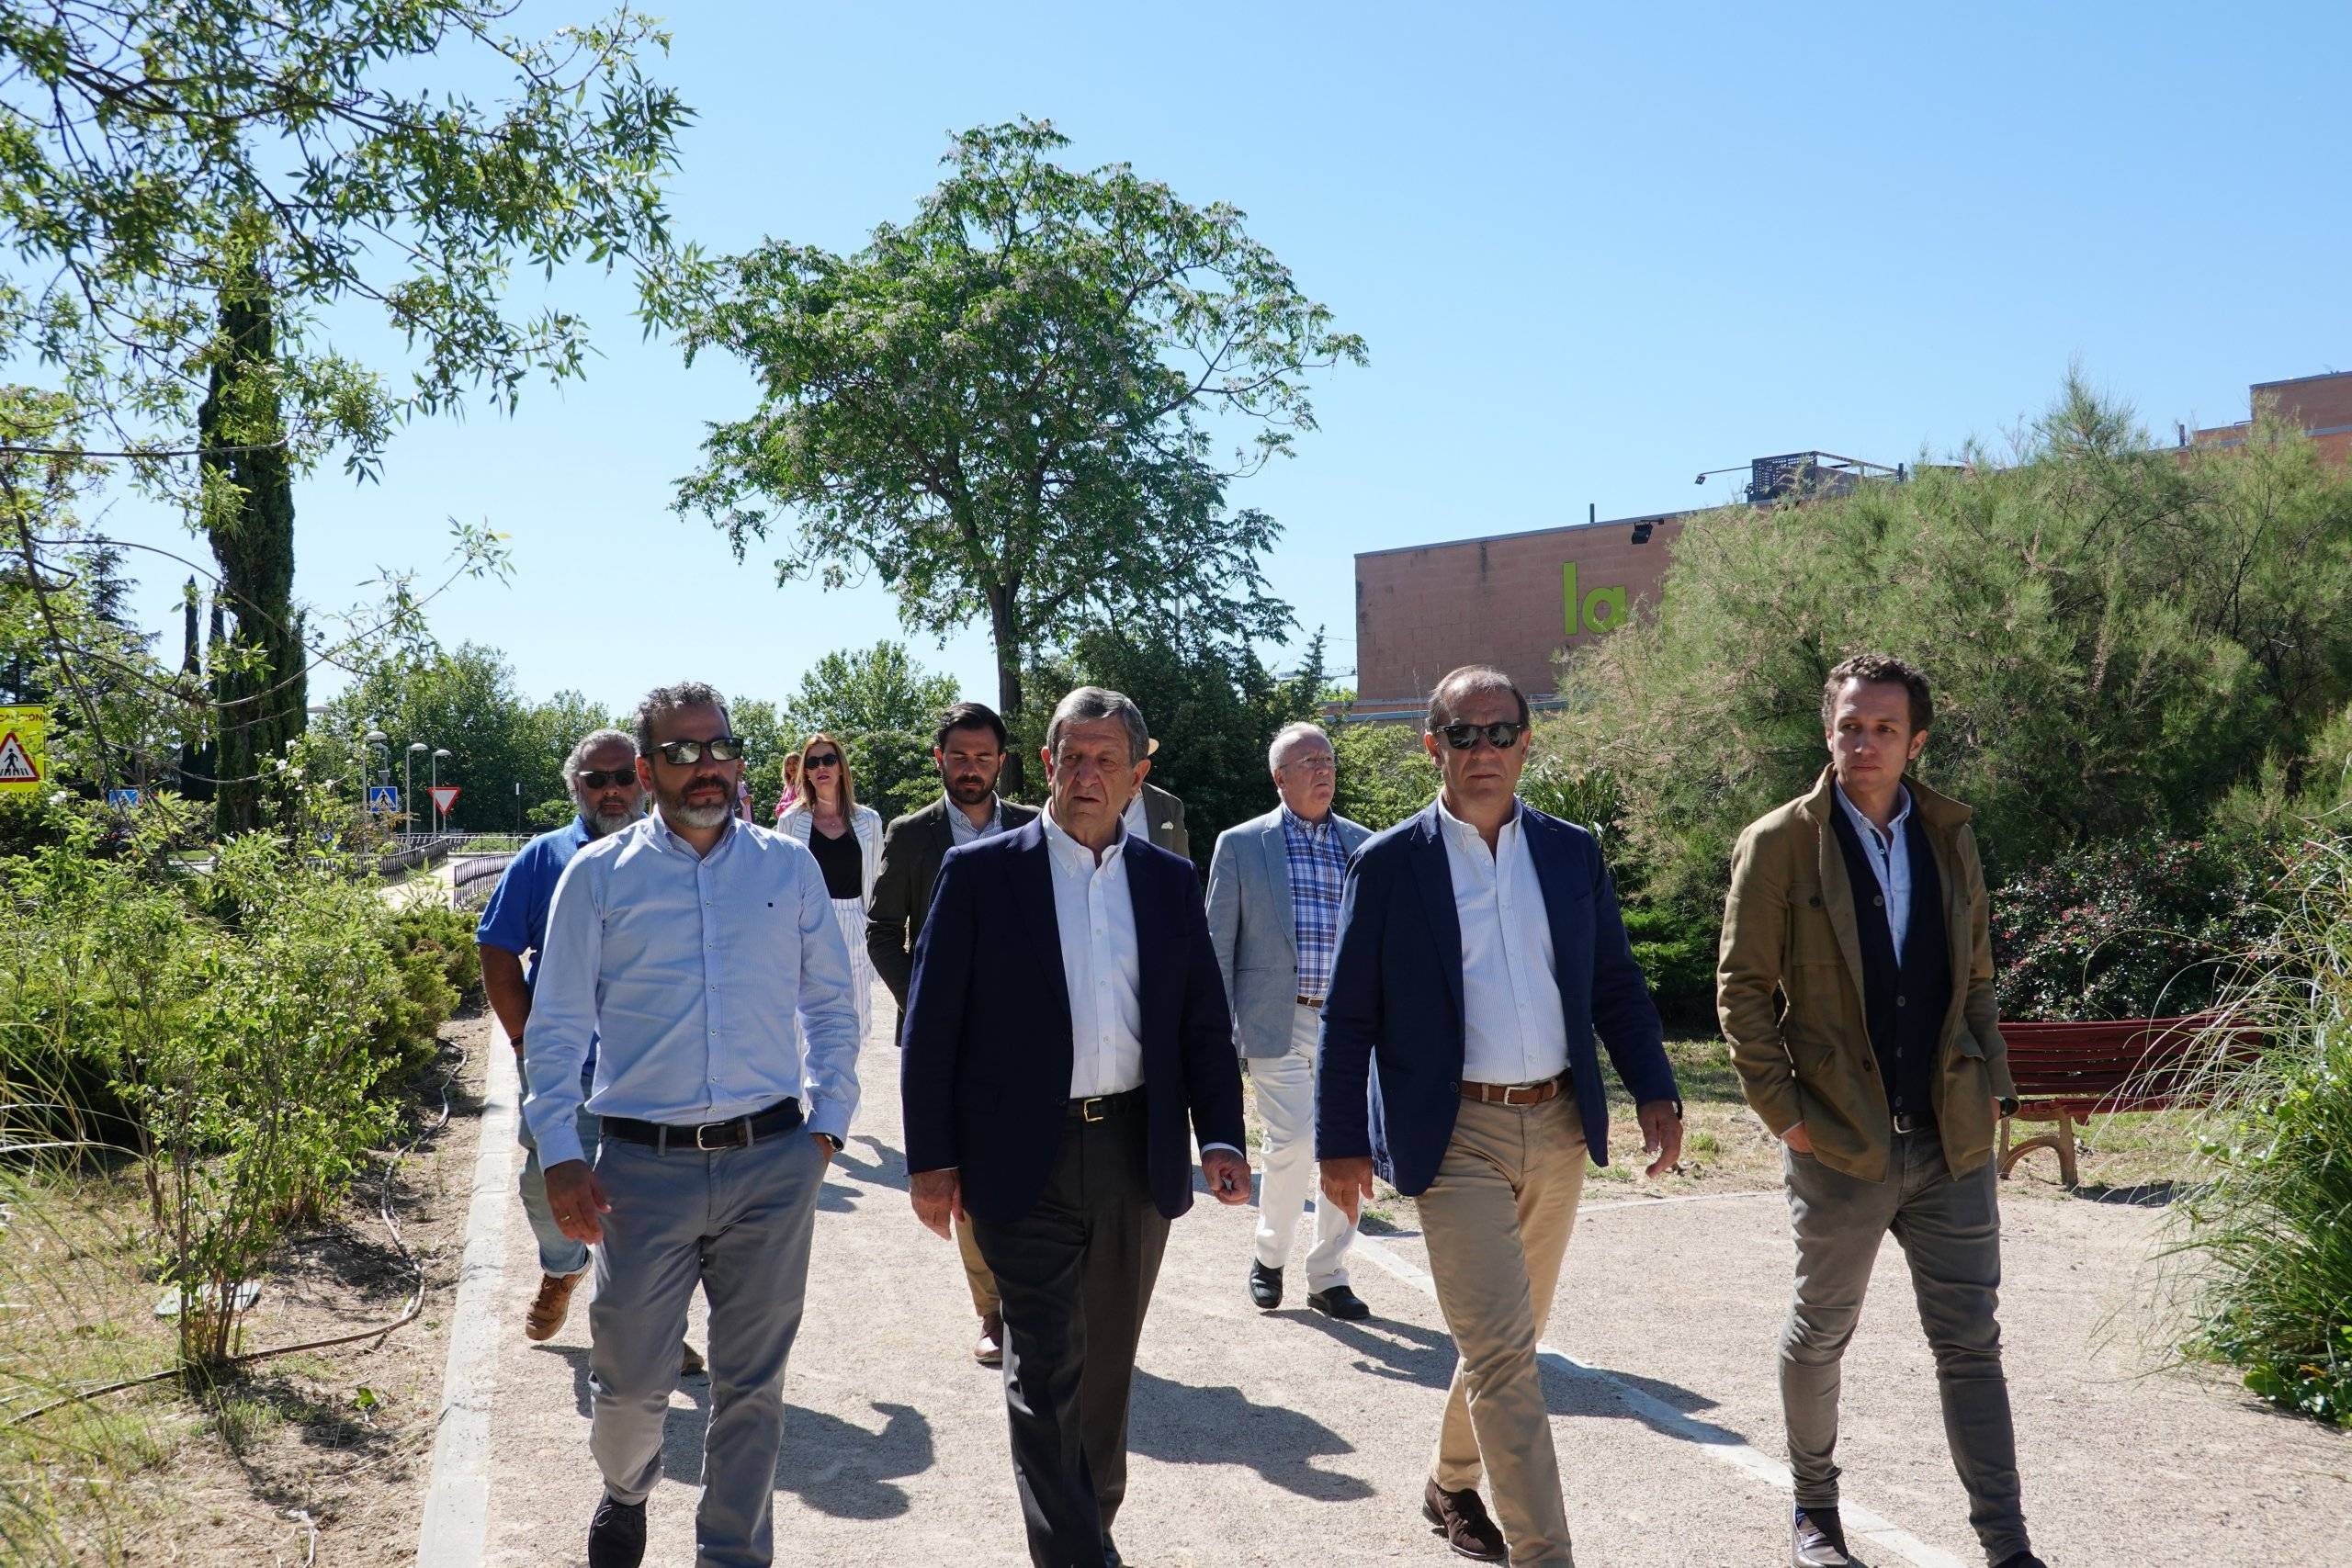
(1950, 1229)
(738, 1222)
(559, 1255)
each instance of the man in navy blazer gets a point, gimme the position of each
(1067, 1037)
(1480, 952)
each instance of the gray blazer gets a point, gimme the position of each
(1252, 930)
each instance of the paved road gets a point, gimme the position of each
(1286, 1439)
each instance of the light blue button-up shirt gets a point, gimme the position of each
(689, 972)
(1888, 850)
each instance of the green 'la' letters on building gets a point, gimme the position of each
(1581, 614)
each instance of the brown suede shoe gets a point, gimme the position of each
(1462, 1519)
(552, 1305)
(988, 1351)
(690, 1363)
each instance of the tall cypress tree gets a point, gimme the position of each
(259, 688)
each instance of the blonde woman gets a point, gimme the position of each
(846, 839)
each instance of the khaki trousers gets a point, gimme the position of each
(1495, 1221)
(976, 1277)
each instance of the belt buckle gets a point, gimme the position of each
(735, 1139)
(1091, 1109)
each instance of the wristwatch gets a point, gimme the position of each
(2009, 1103)
(831, 1142)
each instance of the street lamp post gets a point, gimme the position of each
(378, 739)
(408, 779)
(439, 821)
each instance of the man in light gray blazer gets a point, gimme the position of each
(1275, 885)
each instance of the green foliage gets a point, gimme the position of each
(2267, 1235)
(1213, 706)
(237, 1029)
(883, 707)
(1677, 952)
(159, 153)
(1009, 405)
(860, 690)
(2117, 635)
(465, 699)
(1385, 775)
(2131, 928)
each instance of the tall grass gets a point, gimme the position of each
(2270, 1239)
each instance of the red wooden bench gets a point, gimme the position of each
(2067, 1073)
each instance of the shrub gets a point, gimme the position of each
(1384, 776)
(2139, 928)
(2118, 635)
(2270, 1232)
(1677, 952)
(243, 1024)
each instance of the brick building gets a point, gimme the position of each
(1518, 600)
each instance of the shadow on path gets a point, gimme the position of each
(1179, 1424)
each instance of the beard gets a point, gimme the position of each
(675, 807)
(603, 823)
(969, 790)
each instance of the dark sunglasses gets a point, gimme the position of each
(596, 778)
(1501, 736)
(720, 748)
(830, 760)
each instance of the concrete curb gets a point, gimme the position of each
(456, 1501)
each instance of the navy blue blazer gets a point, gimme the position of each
(1396, 998)
(984, 1080)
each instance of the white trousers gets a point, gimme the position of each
(849, 914)
(1285, 1087)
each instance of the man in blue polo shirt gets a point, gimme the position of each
(601, 773)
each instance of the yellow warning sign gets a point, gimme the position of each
(24, 755)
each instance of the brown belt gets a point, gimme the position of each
(1514, 1093)
(1315, 1002)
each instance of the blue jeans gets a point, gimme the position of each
(558, 1254)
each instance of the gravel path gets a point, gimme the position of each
(1287, 1438)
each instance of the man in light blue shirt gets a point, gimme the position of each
(688, 946)
(601, 775)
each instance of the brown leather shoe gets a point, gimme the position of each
(552, 1304)
(690, 1363)
(988, 1351)
(1462, 1519)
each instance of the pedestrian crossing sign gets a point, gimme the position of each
(24, 756)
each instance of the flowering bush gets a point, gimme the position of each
(2138, 928)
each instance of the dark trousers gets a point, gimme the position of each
(1075, 1274)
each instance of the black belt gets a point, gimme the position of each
(1103, 1107)
(1906, 1123)
(740, 1133)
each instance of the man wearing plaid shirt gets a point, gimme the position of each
(1274, 886)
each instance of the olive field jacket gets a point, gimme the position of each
(1789, 929)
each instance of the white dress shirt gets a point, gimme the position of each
(1514, 1029)
(960, 830)
(1102, 966)
(1889, 851)
(1136, 819)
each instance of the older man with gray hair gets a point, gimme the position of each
(601, 777)
(700, 956)
(1067, 1039)
(1274, 886)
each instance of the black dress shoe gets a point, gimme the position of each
(1111, 1558)
(2023, 1559)
(1340, 1302)
(617, 1535)
(1265, 1286)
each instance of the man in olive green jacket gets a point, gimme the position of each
(1855, 985)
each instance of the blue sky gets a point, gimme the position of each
(1593, 250)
